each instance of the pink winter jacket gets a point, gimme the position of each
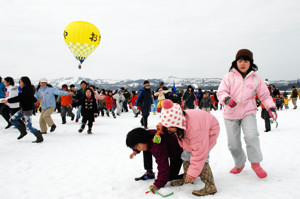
(243, 91)
(200, 136)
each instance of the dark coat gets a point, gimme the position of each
(26, 99)
(168, 148)
(89, 108)
(189, 98)
(144, 101)
(205, 102)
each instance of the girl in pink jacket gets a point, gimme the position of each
(237, 93)
(197, 133)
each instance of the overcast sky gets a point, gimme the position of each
(151, 38)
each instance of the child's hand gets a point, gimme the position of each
(189, 179)
(4, 101)
(153, 187)
(132, 155)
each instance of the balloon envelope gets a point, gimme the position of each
(82, 38)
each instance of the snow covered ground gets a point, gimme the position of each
(69, 165)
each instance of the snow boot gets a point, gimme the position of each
(236, 170)
(53, 127)
(180, 182)
(207, 177)
(148, 175)
(89, 131)
(22, 130)
(63, 120)
(8, 125)
(39, 137)
(81, 128)
(258, 170)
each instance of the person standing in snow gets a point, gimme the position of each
(46, 95)
(295, 93)
(144, 101)
(26, 99)
(197, 132)
(237, 92)
(189, 98)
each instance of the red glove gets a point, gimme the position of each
(272, 113)
(230, 102)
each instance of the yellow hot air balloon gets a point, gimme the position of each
(82, 38)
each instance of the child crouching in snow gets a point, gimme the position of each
(140, 139)
(89, 110)
(197, 132)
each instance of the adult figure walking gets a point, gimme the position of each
(45, 94)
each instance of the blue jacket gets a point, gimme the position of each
(46, 94)
(2, 89)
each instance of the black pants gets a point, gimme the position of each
(84, 121)
(65, 110)
(265, 115)
(7, 112)
(144, 121)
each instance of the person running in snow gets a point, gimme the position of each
(26, 99)
(140, 139)
(89, 110)
(46, 95)
(10, 108)
(110, 104)
(101, 102)
(119, 97)
(144, 101)
(237, 93)
(295, 93)
(197, 132)
(66, 105)
(79, 96)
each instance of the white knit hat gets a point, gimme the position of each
(43, 79)
(172, 115)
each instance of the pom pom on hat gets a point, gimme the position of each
(172, 115)
(167, 104)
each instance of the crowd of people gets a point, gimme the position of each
(185, 117)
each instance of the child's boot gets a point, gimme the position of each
(148, 175)
(207, 177)
(63, 120)
(22, 130)
(81, 128)
(39, 137)
(180, 182)
(236, 170)
(258, 170)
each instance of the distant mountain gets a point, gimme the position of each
(180, 83)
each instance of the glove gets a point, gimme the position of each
(272, 113)
(230, 102)
(95, 115)
(152, 106)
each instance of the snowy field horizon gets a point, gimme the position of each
(69, 165)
